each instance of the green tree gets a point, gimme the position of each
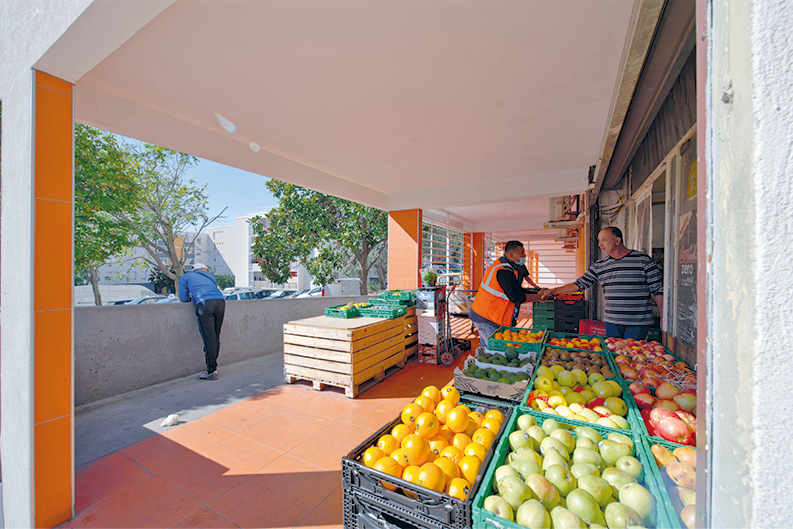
(106, 191)
(171, 206)
(316, 230)
(161, 281)
(225, 280)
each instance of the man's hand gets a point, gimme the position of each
(546, 293)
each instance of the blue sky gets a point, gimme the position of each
(242, 192)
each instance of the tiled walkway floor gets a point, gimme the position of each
(271, 461)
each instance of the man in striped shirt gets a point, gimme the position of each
(630, 281)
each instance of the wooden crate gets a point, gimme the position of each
(346, 352)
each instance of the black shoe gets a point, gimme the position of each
(209, 376)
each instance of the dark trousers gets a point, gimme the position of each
(210, 319)
(637, 332)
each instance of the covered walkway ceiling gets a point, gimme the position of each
(480, 110)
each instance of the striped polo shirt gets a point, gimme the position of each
(628, 286)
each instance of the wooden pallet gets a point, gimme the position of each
(346, 352)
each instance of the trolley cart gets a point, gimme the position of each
(435, 331)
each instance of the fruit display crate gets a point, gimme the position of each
(484, 519)
(566, 323)
(486, 388)
(569, 307)
(338, 312)
(571, 335)
(383, 300)
(429, 508)
(404, 295)
(542, 323)
(592, 327)
(542, 308)
(671, 513)
(379, 311)
(522, 347)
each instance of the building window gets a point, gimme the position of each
(442, 250)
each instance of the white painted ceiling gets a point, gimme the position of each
(479, 109)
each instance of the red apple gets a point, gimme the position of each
(686, 401)
(658, 414)
(669, 358)
(687, 418)
(644, 400)
(668, 404)
(638, 388)
(673, 429)
(690, 390)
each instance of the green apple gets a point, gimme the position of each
(562, 479)
(533, 515)
(498, 506)
(594, 378)
(599, 488)
(524, 421)
(543, 491)
(630, 465)
(619, 515)
(622, 438)
(611, 451)
(550, 425)
(562, 518)
(640, 500)
(589, 433)
(584, 469)
(502, 471)
(617, 406)
(585, 455)
(621, 422)
(556, 444)
(552, 458)
(537, 434)
(584, 442)
(584, 505)
(617, 478)
(566, 439)
(513, 490)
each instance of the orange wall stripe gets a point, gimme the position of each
(404, 249)
(52, 299)
(478, 249)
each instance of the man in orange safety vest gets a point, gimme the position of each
(500, 292)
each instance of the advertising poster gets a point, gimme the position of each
(687, 279)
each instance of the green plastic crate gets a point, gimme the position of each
(395, 301)
(542, 308)
(484, 519)
(406, 295)
(336, 312)
(389, 312)
(522, 347)
(675, 521)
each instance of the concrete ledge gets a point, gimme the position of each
(124, 348)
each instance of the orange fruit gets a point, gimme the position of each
(472, 427)
(465, 407)
(491, 424)
(457, 420)
(476, 449)
(425, 402)
(411, 474)
(433, 393)
(409, 414)
(458, 488)
(469, 467)
(371, 456)
(431, 477)
(442, 409)
(437, 444)
(460, 440)
(387, 443)
(451, 394)
(449, 468)
(495, 414)
(476, 417)
(446, 433)
(400, 431)
(484, 437)
(416, 449)
(389, 466)
(399, 456)
(427, 425)
(453, 453)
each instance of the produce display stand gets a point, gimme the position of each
(347, 352)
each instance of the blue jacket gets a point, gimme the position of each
(199, 286)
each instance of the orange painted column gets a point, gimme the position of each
(404, 249)
(52, 300)
(467, 260)
(478, 250)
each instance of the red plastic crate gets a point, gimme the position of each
(592, 327)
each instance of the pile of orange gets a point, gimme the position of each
(439, 445)
(592, 344)
(522, 335)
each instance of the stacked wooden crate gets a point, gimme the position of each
(347, 352)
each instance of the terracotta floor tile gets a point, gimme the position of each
(157, 453)
(205, 518)
(287, 429)
(328, 404)
(329, 513)
(104, 477)
(292, 489)
(375, 416)
(148, 503)
(326, 448)
(197, 435)
(206, 475)
(289, 394)
(244, 414)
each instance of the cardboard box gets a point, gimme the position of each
(488, 388)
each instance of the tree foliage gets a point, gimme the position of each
(161, 281)
(106, 191)
(171, 205)
(225, 280)
(316, 230)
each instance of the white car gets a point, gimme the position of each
(315, 292)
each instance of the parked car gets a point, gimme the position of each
(295, 293)
(150, 300)
(264, 293)
(235, 293)
(169, 299)
(315, 292)
(279, 294)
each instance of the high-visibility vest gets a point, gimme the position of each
(490, 302)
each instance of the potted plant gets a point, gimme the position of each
(430, 278)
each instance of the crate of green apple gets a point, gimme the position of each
(667, 412)
(550, 472)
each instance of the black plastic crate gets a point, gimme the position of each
(429, 509)
(366, 511)
(566, 323)
(565, 307)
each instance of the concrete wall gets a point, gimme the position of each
(123, 348)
